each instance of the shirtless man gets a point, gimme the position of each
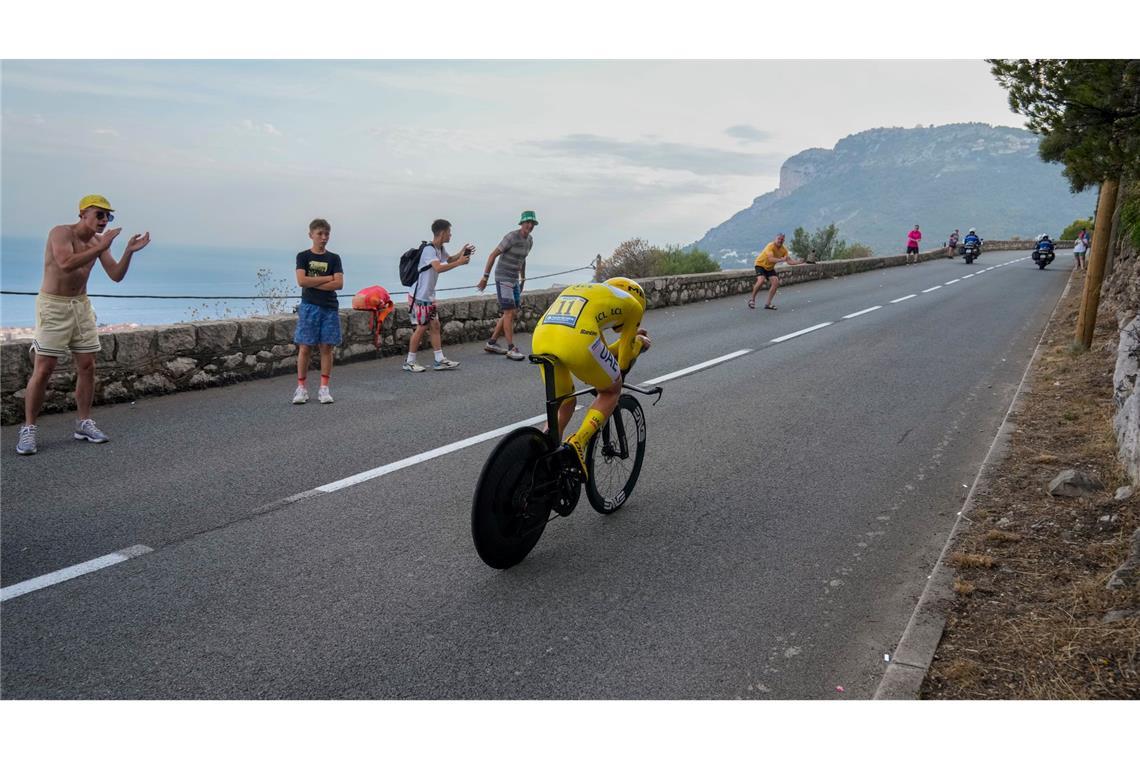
(65, 321)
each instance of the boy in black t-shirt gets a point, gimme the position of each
(320, 275)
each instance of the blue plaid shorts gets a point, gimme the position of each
(317, 325)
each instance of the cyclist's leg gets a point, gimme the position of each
(598, 368)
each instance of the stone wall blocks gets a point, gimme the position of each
(216, 337)
(180, 366)
(135, 347)
(15, 365)
(175, 339)
(255, 331)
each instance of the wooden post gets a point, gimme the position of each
(1102, 236)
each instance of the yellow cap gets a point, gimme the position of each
(98, 201)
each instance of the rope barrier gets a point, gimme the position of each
(267, 298)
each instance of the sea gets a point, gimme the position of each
(209, 280)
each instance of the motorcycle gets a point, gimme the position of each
(1044, 256)
(970, 251)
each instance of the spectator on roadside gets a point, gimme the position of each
(765, 264)
(1079, 249)
(65, 319)
(320, 274)
(952, 244)
(421, 301)
(912, 240)
(510, 274)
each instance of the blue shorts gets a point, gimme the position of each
(508, 295)
(317, 325)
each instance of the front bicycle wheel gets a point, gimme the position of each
(507, 517)
(614, 457)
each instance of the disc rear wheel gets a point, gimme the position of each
(510, 509)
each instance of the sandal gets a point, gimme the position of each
(773, 308)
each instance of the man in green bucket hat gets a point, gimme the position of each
(510, 274)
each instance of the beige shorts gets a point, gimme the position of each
(65, 324)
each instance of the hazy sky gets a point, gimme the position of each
(247, 152)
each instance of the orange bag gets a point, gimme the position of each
(374, 299)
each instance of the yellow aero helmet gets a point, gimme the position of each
(629, 286)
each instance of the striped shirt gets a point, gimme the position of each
(512, 253)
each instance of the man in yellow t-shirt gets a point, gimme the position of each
(772, 254)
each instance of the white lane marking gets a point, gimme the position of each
(931, 290)
(67, 573)
(904, 298)
(798, 333)
(951, 282)
(967, 277)
(861, 313)
(439, 451)
(698, 367)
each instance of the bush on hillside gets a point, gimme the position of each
(825, 245)
(1071, 232)
(637, 258)
(854, 251)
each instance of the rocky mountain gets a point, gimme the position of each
(876, 185)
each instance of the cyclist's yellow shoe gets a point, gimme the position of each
(579, 449)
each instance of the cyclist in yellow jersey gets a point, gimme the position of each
(571, 330)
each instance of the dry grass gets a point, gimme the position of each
(971, 560)
(965, 588)
(1036, 631)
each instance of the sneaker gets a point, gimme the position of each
(445, 363)
(300, 395)
(579, 453)
(27, 443)
(410, 367)
(324, 396)
(513, 353)
(493, 347)
(85, 430)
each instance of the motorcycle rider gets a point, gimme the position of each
(972, 238)
(1044, 248)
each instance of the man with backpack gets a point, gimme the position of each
(432, 260)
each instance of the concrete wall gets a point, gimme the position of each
(191, 355)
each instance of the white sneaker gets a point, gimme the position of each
(513, 353)
(85, 430)
(410, 367)
(445, 363)
(324, 396)
(27, 443)
(300, 395)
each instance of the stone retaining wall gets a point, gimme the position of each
(191, 355)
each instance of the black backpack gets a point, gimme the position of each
(409, 261)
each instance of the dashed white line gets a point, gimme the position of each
(904, 298)
(439, 451)
(798, 333)
(861, 313)
(952, 281)
(67, 573)
(931, 290)
(967, 277)
(698, 367)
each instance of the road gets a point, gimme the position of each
(792, 502)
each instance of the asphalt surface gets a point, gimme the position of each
(792, 503)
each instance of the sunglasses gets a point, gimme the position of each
(101, 215)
